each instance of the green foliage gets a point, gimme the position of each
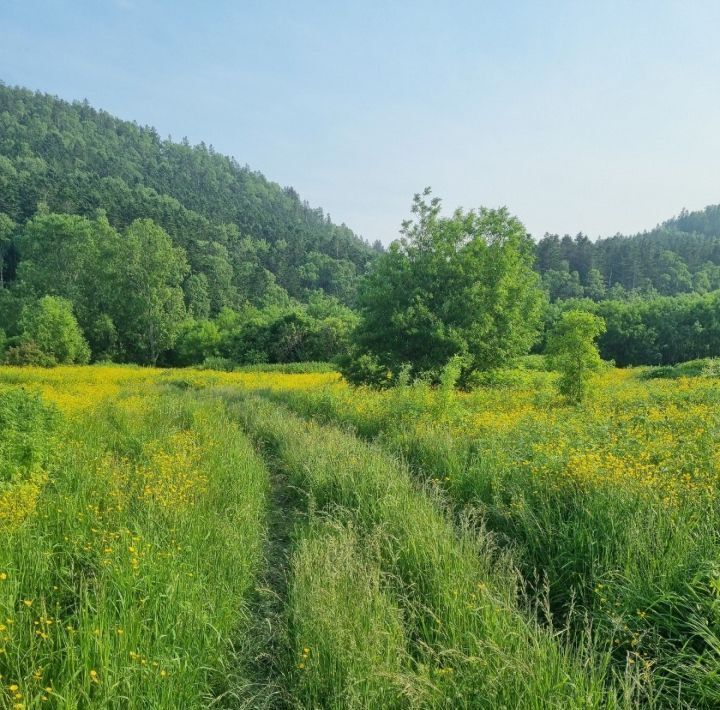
(149, 305)
(125, 288)
(49, 324)
(285, 334)
(289, 368)
(27, 425)
(360, 368)
(197, 341)
(711, 367)
(246, 235)
(221, 364)
(573, 352)
(104, 338)
(680, 256)
(28, 352)
(7, 227)
(662, 330)
(460, 285)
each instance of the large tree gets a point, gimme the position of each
(149, 308)
(458, 285)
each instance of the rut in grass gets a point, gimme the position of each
(466, 643)
(263, 651)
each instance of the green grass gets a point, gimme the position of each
(118, 598)
(171, 539)
(469, 643)
(642, 572)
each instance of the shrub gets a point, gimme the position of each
(28, 352)
(51, 325)
(218, 363)
(25, 423)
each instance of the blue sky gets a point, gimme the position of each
(599, 117)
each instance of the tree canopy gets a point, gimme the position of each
(243, 232)
(682, 255)
(451, 286)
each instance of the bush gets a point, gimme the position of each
(197, 342)
(218, 363)
(363, 368)
(25, 423)
(50, 324)
(28, 352)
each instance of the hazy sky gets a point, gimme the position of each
(580, 115)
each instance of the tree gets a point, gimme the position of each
(50, 325)
(6, 229)
(77, 259)
(197, 296)
(460, 285)
(148, 307)
(595, 285)
(562, 284)
(59, 255)
(572, 351)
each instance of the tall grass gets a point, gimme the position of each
(348, 639)
(471, 645)
(127, 586)
(613, 507)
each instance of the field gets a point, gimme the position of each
(183, 538)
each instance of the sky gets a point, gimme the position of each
(600, 117)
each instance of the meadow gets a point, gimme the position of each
(275, 539)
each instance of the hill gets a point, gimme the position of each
(681, 255)
(230, 220)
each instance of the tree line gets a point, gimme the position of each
(132, 297)
(242, 234)
(117, 244)
(680, 256)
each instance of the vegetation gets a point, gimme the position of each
(459, 286)
(240, 269)
(245, 235)
(682, 255)
(653, 331)
(609, 508)
(49, 326)
(450, 523)
(528, 554)
(573, 352)
(107, 598)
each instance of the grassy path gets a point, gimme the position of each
(266, 642)
(388, 604)
(642, 570)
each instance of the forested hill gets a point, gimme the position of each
(681, 255)
(236, 226)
